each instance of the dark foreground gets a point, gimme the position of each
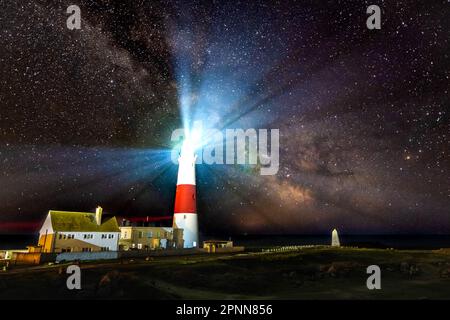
(313, 273)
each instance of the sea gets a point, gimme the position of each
(8, 241)
(365, 241)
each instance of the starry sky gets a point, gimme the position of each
(86, 115)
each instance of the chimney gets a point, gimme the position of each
(98, 215)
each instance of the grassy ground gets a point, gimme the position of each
(313, 273)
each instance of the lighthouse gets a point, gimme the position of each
(185, 212)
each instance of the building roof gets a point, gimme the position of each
(81, 222)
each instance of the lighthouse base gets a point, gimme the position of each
(187, 222)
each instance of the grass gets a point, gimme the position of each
(312, 273)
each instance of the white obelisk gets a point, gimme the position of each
(335, 239)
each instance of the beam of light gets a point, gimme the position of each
(193, 139)
(231, 91)
(222, 86)
(57, 172)
(220, 91)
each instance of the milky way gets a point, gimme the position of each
(86, 115)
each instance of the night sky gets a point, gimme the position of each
(86, 115)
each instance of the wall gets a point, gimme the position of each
(86, 256)
(19, 258)
(78, 243)
(157, 253)
(96, 240)
(74, 245)
(46, 235)
(229, 249)
(46, 242)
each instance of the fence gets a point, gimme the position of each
(288, 248)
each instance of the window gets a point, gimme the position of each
(139, 246)
(103, 236)
(140, 234)
(149, 234)
(60, 236)
(111, 236)
(104, 249)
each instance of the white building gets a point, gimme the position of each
(150, 238)
(64, 231)
(335, 239)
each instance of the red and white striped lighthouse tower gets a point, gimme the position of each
(185, 213)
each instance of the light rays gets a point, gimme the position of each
(95, 174)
